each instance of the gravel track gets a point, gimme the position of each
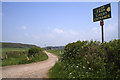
(32, 70)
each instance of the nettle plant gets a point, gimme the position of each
(92, 59)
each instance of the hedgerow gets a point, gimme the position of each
(83, 59)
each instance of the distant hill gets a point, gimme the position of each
(16, 45)
(54, 47)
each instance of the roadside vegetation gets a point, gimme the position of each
(57, 52)
(14, 56)
(83, 59)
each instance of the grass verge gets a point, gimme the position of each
(19, 56)
(57, 71)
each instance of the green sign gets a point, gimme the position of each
(101, 13)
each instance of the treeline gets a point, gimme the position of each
(54, 47)
(83, 59)
(16, 45)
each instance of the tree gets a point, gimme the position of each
(34, 50)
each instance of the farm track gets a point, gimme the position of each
(32, 70)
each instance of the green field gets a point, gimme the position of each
(58, 52)
(4, 50)
(19, 56)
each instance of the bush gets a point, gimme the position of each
(34, 50)
(83, 59)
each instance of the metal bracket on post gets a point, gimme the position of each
(101, 24)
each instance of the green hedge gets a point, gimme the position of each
(83, 59)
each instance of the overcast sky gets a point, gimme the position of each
(55, 23)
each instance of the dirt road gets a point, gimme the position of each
(33, 70)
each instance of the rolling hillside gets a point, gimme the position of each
(16, 45)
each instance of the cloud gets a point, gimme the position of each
(58, 31)
(63, 33)
(26, 34)
(24, 27)
(92, 34)
(61, 36)
(50, 36)
(111, 28)
(1, 14)
(72, 32)
(111, 32)
(58, 36)
(119, 29)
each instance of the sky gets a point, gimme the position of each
(119, 20)
(60, 0)
(55, 23)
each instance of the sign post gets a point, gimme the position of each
(101, 24)
(101, 13)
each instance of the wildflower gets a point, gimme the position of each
(89, 68)
(88, 62)
(73, 77)
(104, 63)
(70, 73)
(77, 66)
(82, 46)
(83, 66)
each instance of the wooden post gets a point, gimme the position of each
(6, 55)
(102, 23)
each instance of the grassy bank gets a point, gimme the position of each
(83, 59)
(19, 56)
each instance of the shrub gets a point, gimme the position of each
(34, 50)
(83, 59)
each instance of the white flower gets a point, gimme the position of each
(73, 77)
(88, 62)
(83, 66)
(89, 68)
(70, 73)
(77, 66)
